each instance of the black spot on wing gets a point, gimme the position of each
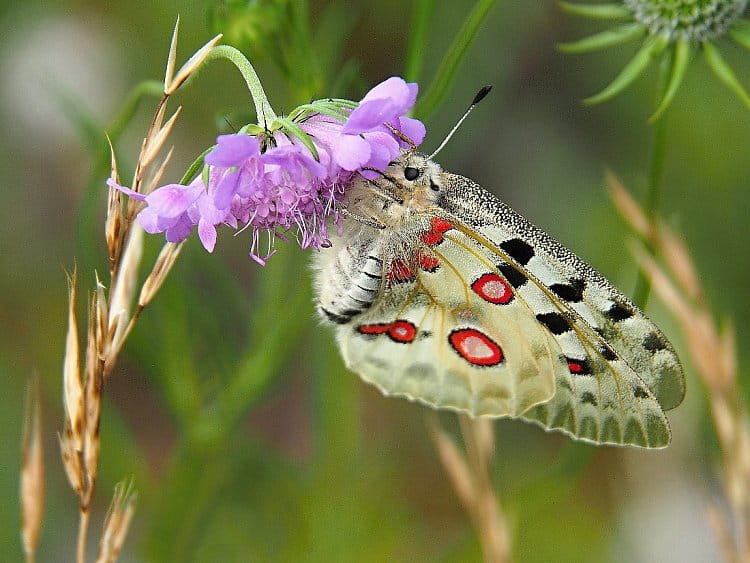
(654, 342)
(619, 312)
(571, 292)
(588, 397)
(607, 353)
(556, 323)
(514, 277)
(640, 393)
(521, 251)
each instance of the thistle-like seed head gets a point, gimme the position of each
(692, 20)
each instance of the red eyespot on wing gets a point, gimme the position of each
(399, 272)
(379, 328)
(428, 261)
(402, 331)
(475, 347)
(579, 367)
(434, 236)
(493, 288)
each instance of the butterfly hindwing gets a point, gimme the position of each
(435, 339)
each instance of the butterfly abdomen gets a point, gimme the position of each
(351, 283)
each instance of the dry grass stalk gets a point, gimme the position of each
(117, 522)
(469, 473)
(191, 66)
(711, 349)
(32, 474)
(111, 320)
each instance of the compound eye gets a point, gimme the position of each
(411, 173)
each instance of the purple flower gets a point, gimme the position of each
(272, 183)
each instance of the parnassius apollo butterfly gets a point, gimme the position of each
(441, 293)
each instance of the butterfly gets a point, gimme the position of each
(441, 293)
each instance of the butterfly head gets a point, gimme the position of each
(419, 176)
(410, 185)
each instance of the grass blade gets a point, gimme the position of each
(449, 65)
(420, 21)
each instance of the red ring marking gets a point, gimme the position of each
(428, 261)
(493, 288)
(434, 236)
(475, 347)
(379, 328)
(402, 331)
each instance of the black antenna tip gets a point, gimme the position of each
(481, 94)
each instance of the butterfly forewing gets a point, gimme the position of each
(577, 289)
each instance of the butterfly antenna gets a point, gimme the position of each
(478, 98)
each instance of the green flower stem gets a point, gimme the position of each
(655, 178)
(263, 109)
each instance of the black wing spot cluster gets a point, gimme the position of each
(571, 292)
(520, 250)
(619, 312)
(556, 323)
(514, 277)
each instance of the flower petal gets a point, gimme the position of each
(351, 152)
(383, 149)
(127, 191)
(369, 115)
(386, 102)
(412, 128)
(226, 189)
(180, 230)
(207, 234)
(232, 150)
(396, 89)
(173, 199)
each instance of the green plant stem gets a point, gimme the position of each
(420, 23)
(448, 68)
(263, 109)
(655, 179)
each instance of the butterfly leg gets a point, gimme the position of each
(369, 221)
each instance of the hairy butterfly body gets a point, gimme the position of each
(441, 293)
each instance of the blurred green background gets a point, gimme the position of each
(246, 437)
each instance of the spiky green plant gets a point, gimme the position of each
(674, 28)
